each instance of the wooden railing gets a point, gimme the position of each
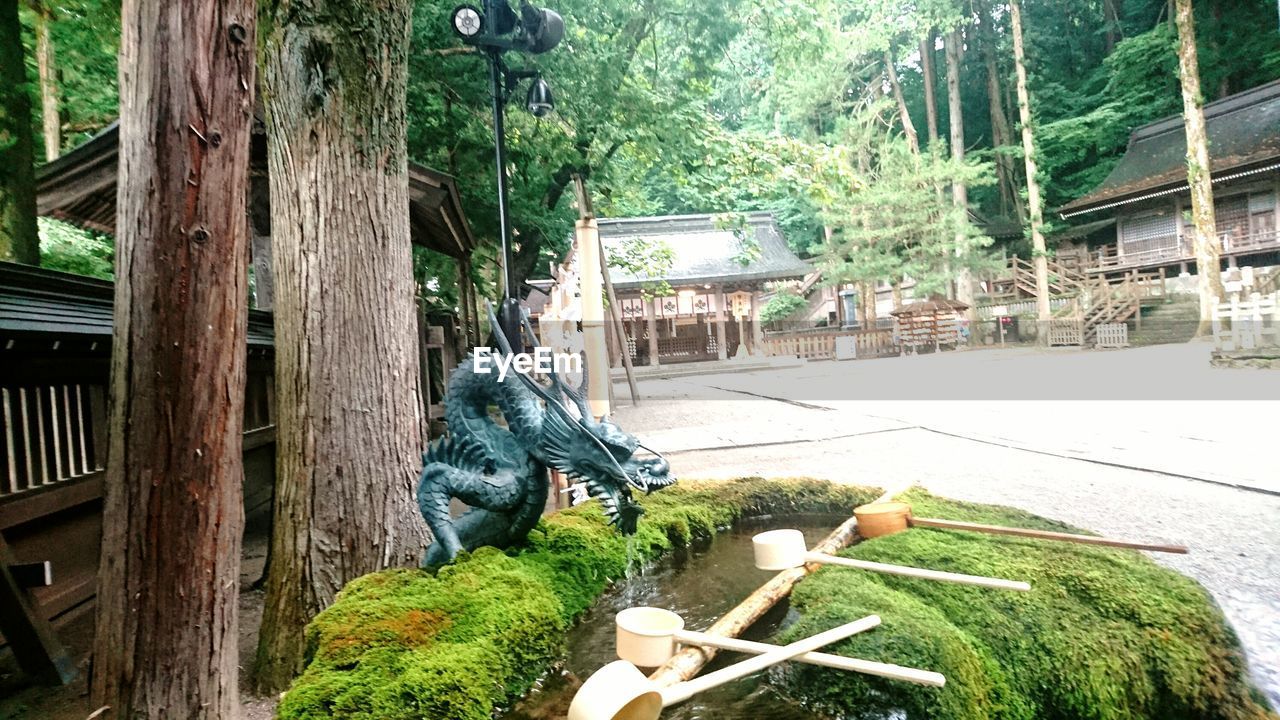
(1108, 258)
(686, 347)
(1247, 324)
(820, 344)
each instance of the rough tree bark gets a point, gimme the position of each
(959, 193)
(1208, 273)
(930, 82)
(166, 642)
(1033, 185)
(349, 431)
(19, 237)
(49, 118)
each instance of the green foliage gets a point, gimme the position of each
(1103, 634)
(782, 305)
(737, 223)
(645, 258)
(404, 644)
(901, 223)
(86, 41)
(68, 248)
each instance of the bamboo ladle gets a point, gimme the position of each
(785, 549)
(618, 691)
(648, 636)
(887, 518)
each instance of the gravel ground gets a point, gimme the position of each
(1082, 462)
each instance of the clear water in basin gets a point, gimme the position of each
(701, 584)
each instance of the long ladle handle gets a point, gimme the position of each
(839, 662)
(922, 573)
(683, 691)
(1044, 535)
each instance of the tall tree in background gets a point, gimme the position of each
(166, 642)
(929, 79)
(1205, 241)
(349, 431)
(19, 237)
(1033, 185)
(50, 121)
(953, 44)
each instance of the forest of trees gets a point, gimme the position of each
(670, 106)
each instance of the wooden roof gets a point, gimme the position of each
(80, 187)
(1244, 138)
(704, 253)
(39, 301)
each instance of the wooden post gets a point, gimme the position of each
(591, 295)
(651, 317)
(722, 349)
(757, 332)
(34, 644)
(620, 330)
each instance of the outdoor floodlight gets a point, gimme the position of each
(540, 102)
(467, 21)
(493, 31)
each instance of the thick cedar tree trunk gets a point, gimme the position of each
(50, 121)
(349, 431)
(959, 193)
(166, 642)
(1205, 240)
(1033, 185)
(19, 238)
(930, 82)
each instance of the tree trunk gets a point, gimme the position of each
(1208, 270)
(167, 616)
(908, 127)
(1111, 18)
(959, 193)
(350, 430)
(1041, 259)
(19, 237)
(930, 82)
(1001, 135)
(50, 119)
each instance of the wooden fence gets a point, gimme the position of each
(1247, 325)
(820, 344)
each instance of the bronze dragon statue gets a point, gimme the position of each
(502, 472)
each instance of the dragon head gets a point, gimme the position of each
(596, 452)
(607, 459)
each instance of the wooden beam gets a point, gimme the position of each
(36, 648)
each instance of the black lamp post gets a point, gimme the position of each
(494, 31)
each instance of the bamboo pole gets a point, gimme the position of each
(1044, 535)
(620, 330)
(840, 662)
(686, 663)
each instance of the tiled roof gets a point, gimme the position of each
(36, 300)
(704, 253)
(1244, 135)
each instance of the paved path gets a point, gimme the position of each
(1199, 473)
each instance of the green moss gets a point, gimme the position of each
(476, 635)
(1104, 634)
